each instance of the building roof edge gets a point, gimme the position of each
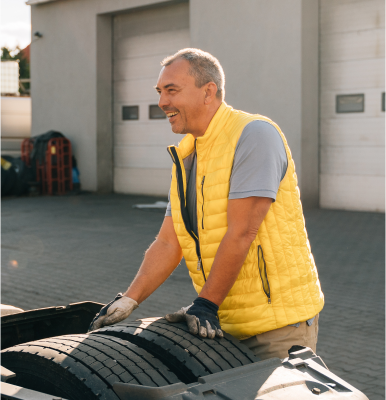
(35, 2)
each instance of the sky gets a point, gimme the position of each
(15, 23)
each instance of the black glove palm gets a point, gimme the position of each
(202, 319)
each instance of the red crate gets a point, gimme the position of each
(58, 166)
(55, 173)
(26, 147)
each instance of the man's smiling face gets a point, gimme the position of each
(180, 98)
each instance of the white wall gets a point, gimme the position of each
(269, 51)
(352, 170)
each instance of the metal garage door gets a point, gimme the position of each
(352, 121)
(141, 40)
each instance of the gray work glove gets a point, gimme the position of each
(116, 311)
(200, 317)
(178, 316)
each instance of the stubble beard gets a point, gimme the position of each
(179, 131)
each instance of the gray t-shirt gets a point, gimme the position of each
(259, 165)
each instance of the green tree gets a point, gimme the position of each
(6, 54)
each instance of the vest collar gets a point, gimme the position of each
(216, 125)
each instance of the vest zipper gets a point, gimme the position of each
(184, 212)
(263, 273)
(202, 192)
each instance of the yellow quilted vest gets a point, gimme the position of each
(278, 284)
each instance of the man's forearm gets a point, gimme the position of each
(244, 219)
(227, 264)
(160, 261)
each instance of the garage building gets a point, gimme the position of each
(316, 67)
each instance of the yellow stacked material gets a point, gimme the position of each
(5, 164)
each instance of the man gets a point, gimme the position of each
(235, 216)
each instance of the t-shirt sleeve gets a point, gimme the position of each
(260, 162)
(169, 207)
(168, 210)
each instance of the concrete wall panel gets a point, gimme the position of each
(247, 46)
(351, 192)
(146, 66)
(149, 181)
(63, 75)
(136, 90)
(149, 21)
(347, 160)
(352, 144)
(142, 157)
(350, 75)
(104, 133)
(354, 45)
(132, 47)
(353, 130)
(119, 6)
(351, 15)
(151, 133)
(309, 182)
(269, 69)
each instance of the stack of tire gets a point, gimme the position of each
(149, 352)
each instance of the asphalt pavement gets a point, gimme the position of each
(61, 250)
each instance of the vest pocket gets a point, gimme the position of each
(202, 192)
(263, 273)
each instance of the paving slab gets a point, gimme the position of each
(61, 250)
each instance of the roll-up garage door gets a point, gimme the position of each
(141, 132)
(352, 104)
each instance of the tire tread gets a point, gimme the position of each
(97, 360)
(187, 355)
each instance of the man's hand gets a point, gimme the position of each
(178, 316)
(116, 311)
(201, 318)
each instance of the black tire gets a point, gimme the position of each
(83, 367)
(186, 355)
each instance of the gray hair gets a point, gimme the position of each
(204, 68)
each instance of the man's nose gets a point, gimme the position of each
(163, 101)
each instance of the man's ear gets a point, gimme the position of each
(210, 92)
